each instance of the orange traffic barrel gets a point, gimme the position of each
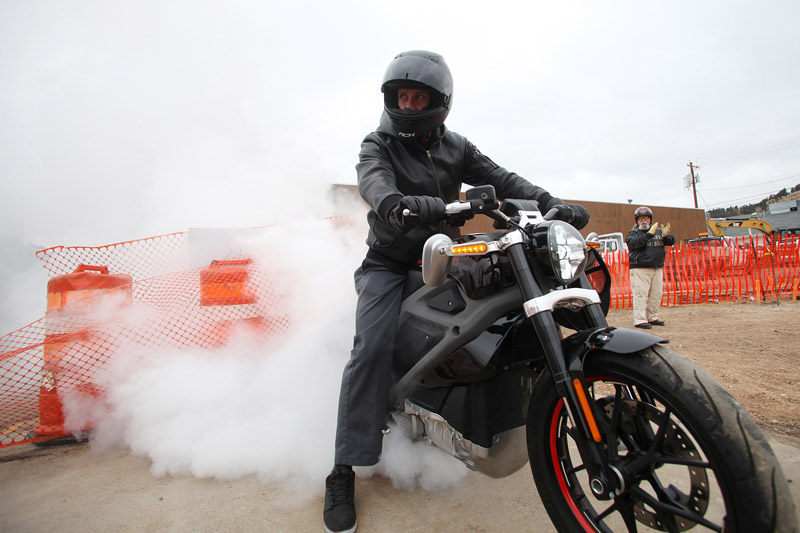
(226, 282)
(227, 299)
(70, 355)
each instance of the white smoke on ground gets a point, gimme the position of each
(412, 464)
(257, 407)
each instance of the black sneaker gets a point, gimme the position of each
(644, 325)
(340, 510)
(657, 322)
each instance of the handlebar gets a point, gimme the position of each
(459, 206)
(482, 200)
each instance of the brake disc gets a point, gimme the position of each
(640, 421)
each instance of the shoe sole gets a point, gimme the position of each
(351, 530)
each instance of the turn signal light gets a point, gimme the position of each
(466, 249)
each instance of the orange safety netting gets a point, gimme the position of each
(749, 268)
(201, 306)
(158, 298)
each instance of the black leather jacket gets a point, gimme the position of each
(646, 250)
(389, 169)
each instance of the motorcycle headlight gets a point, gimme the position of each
(567, 252)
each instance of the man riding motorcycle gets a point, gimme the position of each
(411, 164)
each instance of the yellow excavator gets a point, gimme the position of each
(715, 226)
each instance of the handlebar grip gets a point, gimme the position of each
(457, 207)
(450, 209)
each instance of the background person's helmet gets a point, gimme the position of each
(642, 212)
(423, 70)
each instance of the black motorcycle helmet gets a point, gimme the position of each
(423, 70)
(643, 211)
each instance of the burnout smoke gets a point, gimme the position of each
(256, 406)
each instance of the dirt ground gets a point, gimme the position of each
(752, 349)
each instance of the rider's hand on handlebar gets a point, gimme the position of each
(428, 209)
(581, 216)
(416, 210)
(459, 219)
(574, 214)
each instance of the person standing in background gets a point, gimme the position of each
(646, 249)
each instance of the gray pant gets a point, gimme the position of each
(364, 397)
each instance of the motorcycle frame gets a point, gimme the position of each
(565, 358)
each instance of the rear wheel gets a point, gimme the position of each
(690, 455)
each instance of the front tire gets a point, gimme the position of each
(691, 455)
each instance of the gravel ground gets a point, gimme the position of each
(752, 349)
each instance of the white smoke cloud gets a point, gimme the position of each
(411, 464)
(256, 407)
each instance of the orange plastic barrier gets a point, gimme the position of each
(167, 307)
(71, 300)
(747, 269)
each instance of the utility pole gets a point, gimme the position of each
(694, 190)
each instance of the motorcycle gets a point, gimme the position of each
(505, 358)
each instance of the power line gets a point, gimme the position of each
(730, 203)
(754, 184)
(752, 150)
(708, 206)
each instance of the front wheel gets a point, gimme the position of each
(689, 453)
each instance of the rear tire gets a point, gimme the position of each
(711, 468)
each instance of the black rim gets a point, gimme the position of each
(670, 485)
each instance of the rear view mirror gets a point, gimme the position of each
(482, 198)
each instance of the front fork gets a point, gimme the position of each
(570, 386)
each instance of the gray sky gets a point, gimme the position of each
(123, 120)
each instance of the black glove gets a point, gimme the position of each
(429, 209)
(457, 220)
(575, 214)
(581, 216)
(424, 210)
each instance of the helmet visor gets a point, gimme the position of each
(390, 94)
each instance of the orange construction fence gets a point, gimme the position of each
(751, 268)
(135, 296)
(149, 293)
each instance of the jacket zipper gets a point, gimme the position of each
(438, 186)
